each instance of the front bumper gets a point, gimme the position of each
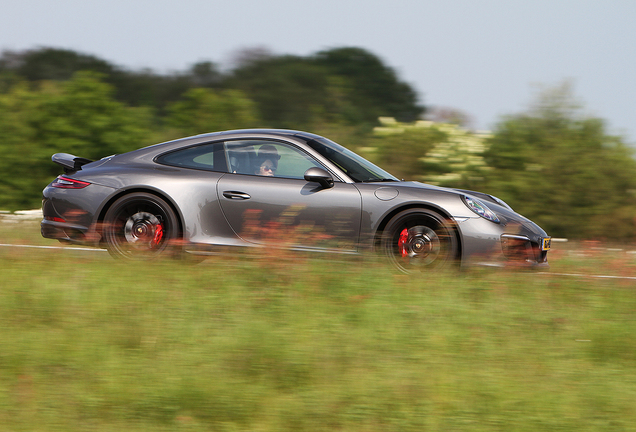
(514, 244)
(522, 249)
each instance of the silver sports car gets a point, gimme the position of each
(277, 188)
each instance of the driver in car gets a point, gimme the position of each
(267, 160)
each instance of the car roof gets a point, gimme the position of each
(148, 153)
(235, 133)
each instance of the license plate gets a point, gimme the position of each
(545, 243)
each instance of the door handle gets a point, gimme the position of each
(236, 195)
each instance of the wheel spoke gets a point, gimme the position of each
(143, 230)
(419, 245)
(140, 226)
(418, 240)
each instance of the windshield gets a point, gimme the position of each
(356, 167)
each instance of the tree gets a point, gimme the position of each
(374, 87)
(54, 64)
(135, 88)
(563, 170)
(205, 74)
(289, 91)
(347, 85)
(400, 147)
(79, 117)
(437, 153)
(203, 110)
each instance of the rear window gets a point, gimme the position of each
(210, 157)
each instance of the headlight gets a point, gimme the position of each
(480, 208)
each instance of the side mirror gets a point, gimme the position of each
(319, 175)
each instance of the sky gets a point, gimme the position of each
(486, 58)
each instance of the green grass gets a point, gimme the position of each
(288, 342)
(24, 232)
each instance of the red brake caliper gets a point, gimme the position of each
(404, 235)
(158, 235)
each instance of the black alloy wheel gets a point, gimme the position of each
(140, 226)
(419, 240)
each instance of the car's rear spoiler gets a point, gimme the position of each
(69, 162)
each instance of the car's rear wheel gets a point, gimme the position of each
(140, 226)
(419, 240)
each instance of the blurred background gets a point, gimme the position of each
(528, 102)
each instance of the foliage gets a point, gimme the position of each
(437, 153)
(563, 170)
(341, 85)
(53, 64)
(375, 88)
(289, 91)
(78, 116)
(243, 343)
(135, 88)
(202, 110)
(348, 85)
(553, 164)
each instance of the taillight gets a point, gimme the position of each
(68, 183)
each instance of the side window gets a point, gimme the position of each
(210, 157)
(241, 156)
(268, 158)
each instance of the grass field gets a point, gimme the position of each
(285, 342)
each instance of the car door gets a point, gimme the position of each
(280, 207)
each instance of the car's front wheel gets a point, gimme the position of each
(140, 226)
(419, 239)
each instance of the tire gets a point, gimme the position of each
(419, 240)
(140, 226)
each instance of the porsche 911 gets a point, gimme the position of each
(267, 188)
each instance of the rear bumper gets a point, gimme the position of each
(68, 232)
(70, 215)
